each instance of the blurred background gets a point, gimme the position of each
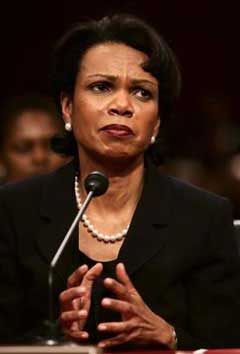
(204, 136)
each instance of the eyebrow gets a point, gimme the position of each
(114, 78)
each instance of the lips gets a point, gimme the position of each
(117, 129)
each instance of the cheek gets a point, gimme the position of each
(56, 160)
(81, 116)
(14, 157)
(148, 124)
(86, 120)
(19, 162)
(84, 106)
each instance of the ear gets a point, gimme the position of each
(66, 104)
(157, 127)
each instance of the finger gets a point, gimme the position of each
(91, 275)
(74, 327)
(78, 303)
(117, 288)
(76, 277)
(73, 320)
(87, 283)
(122, 276)
(116, 327)
(69, 295)
(123, 307)
(77, 335)
(70, 326)
(117, 340)
(69, 300)
(69, 316)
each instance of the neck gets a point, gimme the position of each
(125, 183)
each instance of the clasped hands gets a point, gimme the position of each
(138, 325)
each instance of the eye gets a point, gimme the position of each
(100, 86)
(142, 93)
(22, 148)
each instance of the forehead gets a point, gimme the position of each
(32, 124)
(114, 59)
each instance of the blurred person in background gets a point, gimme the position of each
(27, 124)
(209, 154)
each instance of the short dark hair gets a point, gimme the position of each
(14, 106)
(120, 28)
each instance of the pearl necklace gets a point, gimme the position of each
(91, 229)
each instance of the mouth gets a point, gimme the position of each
(117, 130)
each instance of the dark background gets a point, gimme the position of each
(204, 34)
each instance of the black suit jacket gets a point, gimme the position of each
(179, 252)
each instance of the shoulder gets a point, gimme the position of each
(202, 214)
(30, 189)
(20, 194)
(181, 192)
(181, 204)
(200, 204)
(189, 201)
(186, 192)
(199, 208)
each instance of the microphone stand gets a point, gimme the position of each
(52, 336)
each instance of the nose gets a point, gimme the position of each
(40, 156)
(121, 105)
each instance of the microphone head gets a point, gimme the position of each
(96, 182)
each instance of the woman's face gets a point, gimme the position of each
(26, 148)
(114, 110)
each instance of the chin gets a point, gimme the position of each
(120, 159)
(112, 155)
(117, 154)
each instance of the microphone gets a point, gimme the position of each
(96, 184)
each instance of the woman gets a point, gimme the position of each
(154, 262)
(27, 125)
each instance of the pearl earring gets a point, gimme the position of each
(68, 127)
(153, 139)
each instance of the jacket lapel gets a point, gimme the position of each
(150, 225)
(57, 211)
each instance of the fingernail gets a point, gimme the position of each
(81, 290)
(106, 301)
(108, 281)
(84, 335)
(83, 267)
(101, 345)
(82, 313)
(102, 327)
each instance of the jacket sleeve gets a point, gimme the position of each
(11, 290)
(213, 289)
